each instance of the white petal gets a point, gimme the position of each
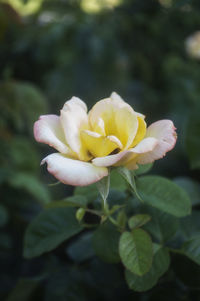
(74, 119)
(74, 101)
(117, 98)
(121, 158)
(109, 160)
(146, 145)
(73, 172)
(164, 132)
(48, 130)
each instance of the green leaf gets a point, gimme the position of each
(117, 197)
(136, 251)
(20, 151)
(160, 265)
(129, 177)
(22, 180)
(23, 113)
(116, 208)
(54, 184)
(117, 182)
(90, 192)
(103, 187)
(138, 220)
(190, 225)
(143, 169)
(162, 226)
(72, 201)
(191, 249)
(105, 242)
(191, 186)
(165, 195)
(66, 283)
(50, 228)
(192, 140)
(81, 249)
(77, 200)
(156, 247)
(121, 219)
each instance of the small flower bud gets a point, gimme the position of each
(80, 214)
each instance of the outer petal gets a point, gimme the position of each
(75, 101)
(164, 132)
(74, 119)
(116, 98)
(48, 130)
(73, 172)
(121, 158)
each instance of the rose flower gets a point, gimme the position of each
(110, 134)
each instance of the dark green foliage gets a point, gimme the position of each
(50, 228)
(192, 138)
(136, 251)
(105, 242)
(81, 249)
(163, 194)
(162, 226)
(159, 266)
(138, 220)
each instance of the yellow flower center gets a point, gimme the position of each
(113, 130)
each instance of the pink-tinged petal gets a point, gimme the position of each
(146, 145)
(48, 130)
(73, 172)
(164, 132)
(74, 119)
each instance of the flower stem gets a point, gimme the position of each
(99, 213)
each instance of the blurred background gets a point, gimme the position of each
(148, 51)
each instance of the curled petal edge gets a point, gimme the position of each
(73, 172)
(47, 129)
(165, 132)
